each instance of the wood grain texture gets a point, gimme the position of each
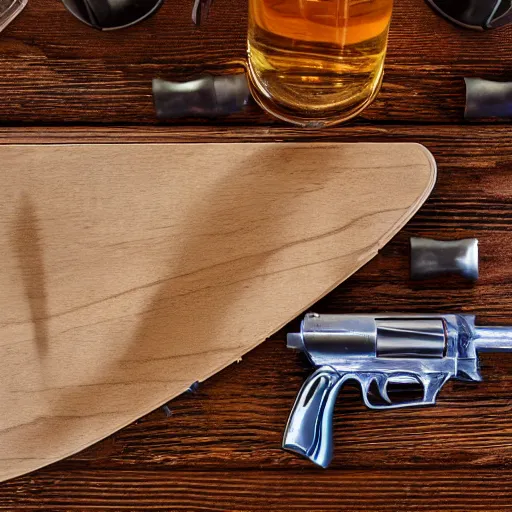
(220, 448)
(131, 272)
(57, 70)
(325, 491)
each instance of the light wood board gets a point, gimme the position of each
(128, 272)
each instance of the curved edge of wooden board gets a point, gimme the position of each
(368, 257)
(363, 260)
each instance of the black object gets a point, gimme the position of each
(485, 98)
(208, 96)
(111, 14)
(475, 14)
(432, 258)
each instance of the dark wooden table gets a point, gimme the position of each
(220, 450)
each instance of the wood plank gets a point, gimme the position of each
(313, 489)
(57, 70)
(132, 271)
(461, 144)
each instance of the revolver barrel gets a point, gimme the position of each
(493, 339)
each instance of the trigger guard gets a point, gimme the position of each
(382, 384)
(382, 380)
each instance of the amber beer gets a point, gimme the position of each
(317, 62)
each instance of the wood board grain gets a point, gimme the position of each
(325, 491)
(131, 271)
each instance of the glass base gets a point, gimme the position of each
(9, 9)
(316, 121)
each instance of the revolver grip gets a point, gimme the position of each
(309, 428)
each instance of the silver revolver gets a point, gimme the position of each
(375, 351)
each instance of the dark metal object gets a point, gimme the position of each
(398, 349)
(485, 98)
(112, 14)
(207, 96)
(396, 339)
(193, 387)
(475, 14)
(432, 258)
(200, 11)
(9, 9)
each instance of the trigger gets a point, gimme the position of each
(382, 384)
(365, 385)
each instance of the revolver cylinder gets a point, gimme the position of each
(419, 337)
(325, 338)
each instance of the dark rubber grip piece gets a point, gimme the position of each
(111, 14)
(432, 258)
(207, 96)
(485, 98)
(475, 14)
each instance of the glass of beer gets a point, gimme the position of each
(316, 63)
